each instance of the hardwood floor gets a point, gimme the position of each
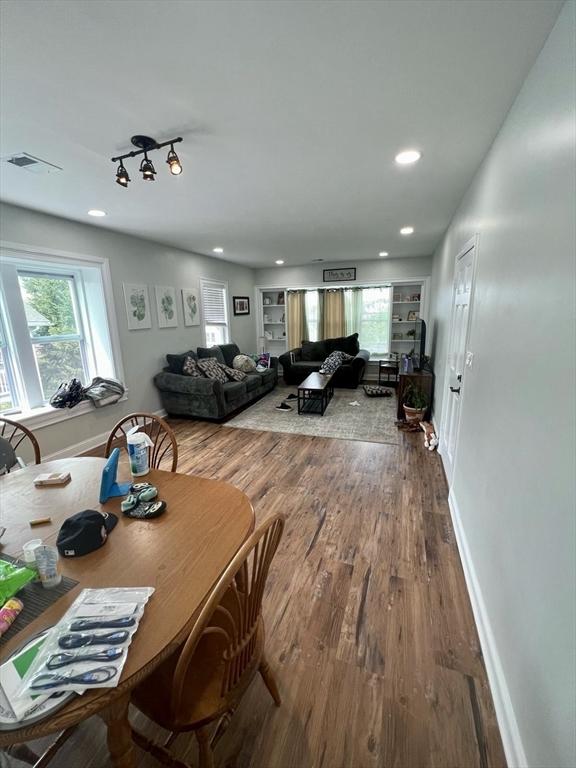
(369, 625)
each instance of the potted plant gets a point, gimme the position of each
(415, 403)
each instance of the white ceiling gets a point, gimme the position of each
(291, 114)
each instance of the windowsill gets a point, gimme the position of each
(45, 416)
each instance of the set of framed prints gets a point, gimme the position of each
(138, 311)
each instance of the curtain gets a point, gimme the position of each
(353, 310)
(334, 322)
(296, 311)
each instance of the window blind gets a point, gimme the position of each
(214, 303)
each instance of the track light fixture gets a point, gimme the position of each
(147, 169)
(174, 162)
(146, 144)
(122, 177)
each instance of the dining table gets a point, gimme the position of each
(181, 554)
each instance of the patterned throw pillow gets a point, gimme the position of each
(211, 368)
(232, 373)
(334, 361)
(190, 368)
(244, 363)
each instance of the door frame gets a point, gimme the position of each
(471, 244)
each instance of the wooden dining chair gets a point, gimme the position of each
(203, 682)
(164, 445)
(16, 434)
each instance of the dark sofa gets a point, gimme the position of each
(207, 398)
(301, 362)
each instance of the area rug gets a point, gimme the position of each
(372, 420)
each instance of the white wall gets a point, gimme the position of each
(366, 271)
(143, 352)
(513, 487)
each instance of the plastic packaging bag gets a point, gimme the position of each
(89, 645)
(13, 578)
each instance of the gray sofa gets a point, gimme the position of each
(207, 398)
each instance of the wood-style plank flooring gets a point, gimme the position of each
(369, 625)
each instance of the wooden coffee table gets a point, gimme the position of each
(314, 393)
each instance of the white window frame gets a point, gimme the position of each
(53, 262)
(221, 284)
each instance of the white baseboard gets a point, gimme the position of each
(86, 445)
(511, 740)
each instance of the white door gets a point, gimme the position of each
(457, 354)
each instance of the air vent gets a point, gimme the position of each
(31, 164)
(315, 261)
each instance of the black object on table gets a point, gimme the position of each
(314, 393)
(36, 600)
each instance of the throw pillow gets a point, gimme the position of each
(208, 352)
(190, 368)
(175, 362)
(244, 363)
(334, 361)
(232, 373)
(348, 344)
(314, 350)
(212, 370)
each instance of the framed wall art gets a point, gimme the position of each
(137, 306)
(339, 275)
(241, 305)
(166, 306)
(191, 306)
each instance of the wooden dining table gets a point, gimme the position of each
(181, 554)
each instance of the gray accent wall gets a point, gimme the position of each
(366, 271)
(132, 260)
(513, 490)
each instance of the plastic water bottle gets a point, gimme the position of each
(138, 444)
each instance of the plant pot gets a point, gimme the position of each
(414, 414)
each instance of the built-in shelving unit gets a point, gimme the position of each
(406, 301)
(272, 307)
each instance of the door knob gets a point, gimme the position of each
(456, 390)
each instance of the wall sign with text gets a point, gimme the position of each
(339, 275)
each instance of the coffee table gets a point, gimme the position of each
(314, 393)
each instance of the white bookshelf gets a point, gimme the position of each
(272, 311)
(406, 300)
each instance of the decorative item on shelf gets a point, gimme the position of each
(268, 336)
(166, 306)
(281, 298)
(266, 317)
(147, 144)
(415, 403)
(283, 318)
(415, 297)
(137, 306)
(413, 315)
(397, 336)
(396, 318)
(191, 306)
(267, 301)
(411, 334)
(241, 305)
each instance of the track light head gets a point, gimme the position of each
(122, 177)
(147, 169)
(174, 162)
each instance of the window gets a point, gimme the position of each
(54, 326)
(367, 312)
(215, 312)
(312, 301)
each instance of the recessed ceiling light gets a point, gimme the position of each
(383, 253)
(279, 261)
(406, 230)
(96, 212)
(408, 156)
(217, 250)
